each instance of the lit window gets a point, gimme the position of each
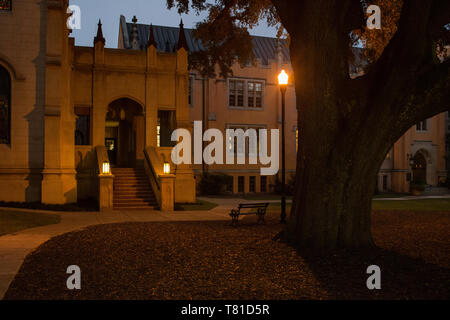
(166, 125)
(158, 135)
(5, 106)
(5, 5)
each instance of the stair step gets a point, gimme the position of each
(132, 190)
(133, 203)
(145, 198)
(137, 208)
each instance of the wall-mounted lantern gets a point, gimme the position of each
(166, 168)
(106, 169)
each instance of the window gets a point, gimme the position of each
(236, 93)
(254, 94)
(191, 91)
(422, 126)
(82, 126)
(166, 125)
(5, 106)
(263, 184)
(241, 184)
(245, 93)
(5, 5)
(252, 184)
(251, 141)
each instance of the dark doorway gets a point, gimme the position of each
(124, 133)
(420, 168)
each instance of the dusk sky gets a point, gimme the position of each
(146, 11)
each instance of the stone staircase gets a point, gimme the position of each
(132, 190)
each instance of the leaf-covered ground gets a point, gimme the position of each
(212, 260)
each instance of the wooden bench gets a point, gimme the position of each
(260, 211)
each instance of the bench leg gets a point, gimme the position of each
(261, 219)
(234, 220)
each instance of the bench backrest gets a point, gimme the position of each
(253, 205)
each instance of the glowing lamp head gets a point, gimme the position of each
(283, 78)
(166, 168)
(106, 168)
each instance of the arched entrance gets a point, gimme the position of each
(124, 133)
(420, 168)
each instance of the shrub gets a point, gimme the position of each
(418, 185)
(215, 184)
(290, 184)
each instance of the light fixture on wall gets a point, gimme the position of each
(166, 168)
(122, 114)
(106, 169)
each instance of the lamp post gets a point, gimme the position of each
(283, 82)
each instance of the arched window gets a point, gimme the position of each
(5, 106)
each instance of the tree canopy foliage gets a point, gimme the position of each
(225, 31)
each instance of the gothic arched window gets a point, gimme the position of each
(5, 5)
(5, 106)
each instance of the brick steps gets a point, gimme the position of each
(132, 190)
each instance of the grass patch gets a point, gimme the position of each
(82, 205)
(257, 196)
(200, 205)
(11, 222)
(412, 205)
(390, 195)
(388, 205)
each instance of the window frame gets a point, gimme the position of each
(244, 127)
(243, 184)
(245, 96)
(81, 111)
(420, 127)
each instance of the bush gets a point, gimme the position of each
(418, 185)
(290, 184)
(215, 184)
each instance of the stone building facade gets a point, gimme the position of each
(67, 102)
(66, 109)
(212, 100)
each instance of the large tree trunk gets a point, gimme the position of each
(346, 126)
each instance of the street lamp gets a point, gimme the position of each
(283, 79)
